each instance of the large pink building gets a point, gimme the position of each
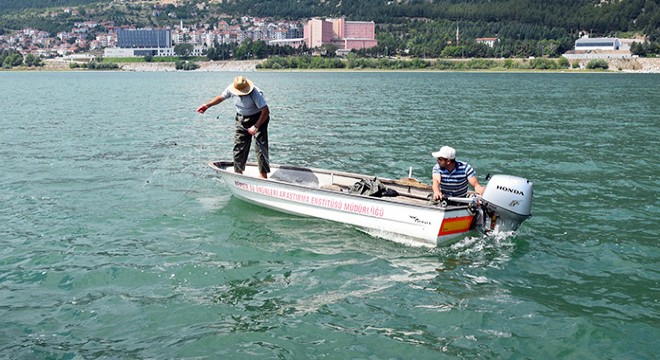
(346, 35)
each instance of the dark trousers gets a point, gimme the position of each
(243, 140)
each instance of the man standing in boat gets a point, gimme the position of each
(252, 117)
(451, 177)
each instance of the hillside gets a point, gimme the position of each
(598, 16)
(17, 5)
(424, 28)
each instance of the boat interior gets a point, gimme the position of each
(406, 190)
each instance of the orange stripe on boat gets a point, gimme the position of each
(455, 225)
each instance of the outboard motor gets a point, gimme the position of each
(507, 202)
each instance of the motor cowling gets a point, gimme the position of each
(507, 201)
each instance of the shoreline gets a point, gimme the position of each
(637, 65)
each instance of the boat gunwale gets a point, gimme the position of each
(395, 199)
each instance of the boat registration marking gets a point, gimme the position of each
(455, 225)
(346, 206)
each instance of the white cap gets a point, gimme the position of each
(446, 152)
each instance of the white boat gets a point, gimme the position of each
(409, 216)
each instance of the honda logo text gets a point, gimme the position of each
(514, 191)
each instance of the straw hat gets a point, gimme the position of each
(241, 86)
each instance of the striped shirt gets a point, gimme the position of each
(455, 183)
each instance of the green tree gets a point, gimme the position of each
(242, 52)
(185, 65)
(259, 49)
(452, 52)
(210, 53)
(329, 50)
(184, 50)
(253, 49)
(637, 49)
(598, 64)
(543, 64)
(31, 60)
(12, 59)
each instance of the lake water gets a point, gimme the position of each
(117, 240)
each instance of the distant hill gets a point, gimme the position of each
(599, 16)
(424, 28)
(428, 27)
(14, 5)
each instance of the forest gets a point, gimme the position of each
(419, 28)
(427, 28)
(15, 5)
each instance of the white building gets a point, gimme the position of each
(598, 44)
(598, 48)
(294, 43)
(128, 52)
(488, 41)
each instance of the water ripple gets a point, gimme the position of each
(118, 241)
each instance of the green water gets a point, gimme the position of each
(117, 240)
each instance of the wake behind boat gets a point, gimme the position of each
(397, 209)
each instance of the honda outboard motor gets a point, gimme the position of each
(507, 201)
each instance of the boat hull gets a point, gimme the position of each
(323, 194)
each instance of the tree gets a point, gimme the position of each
(329, 50)
(253, 49)
(184, 50)
(260, 49)
(31, 60)
(597, 64)
(637, 49)
(10, 59)
(210, 53)
(452, 51)
(185, 65)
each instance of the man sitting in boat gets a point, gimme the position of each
(451, 177)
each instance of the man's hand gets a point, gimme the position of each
(252, 130)
(202, 109)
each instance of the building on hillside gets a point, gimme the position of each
(318, 32)
(490, 41)
(346, 35)
(597, 44)
(143, 38)
(598, 48)
(294, 32)
(294, 43)
(141, 42)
